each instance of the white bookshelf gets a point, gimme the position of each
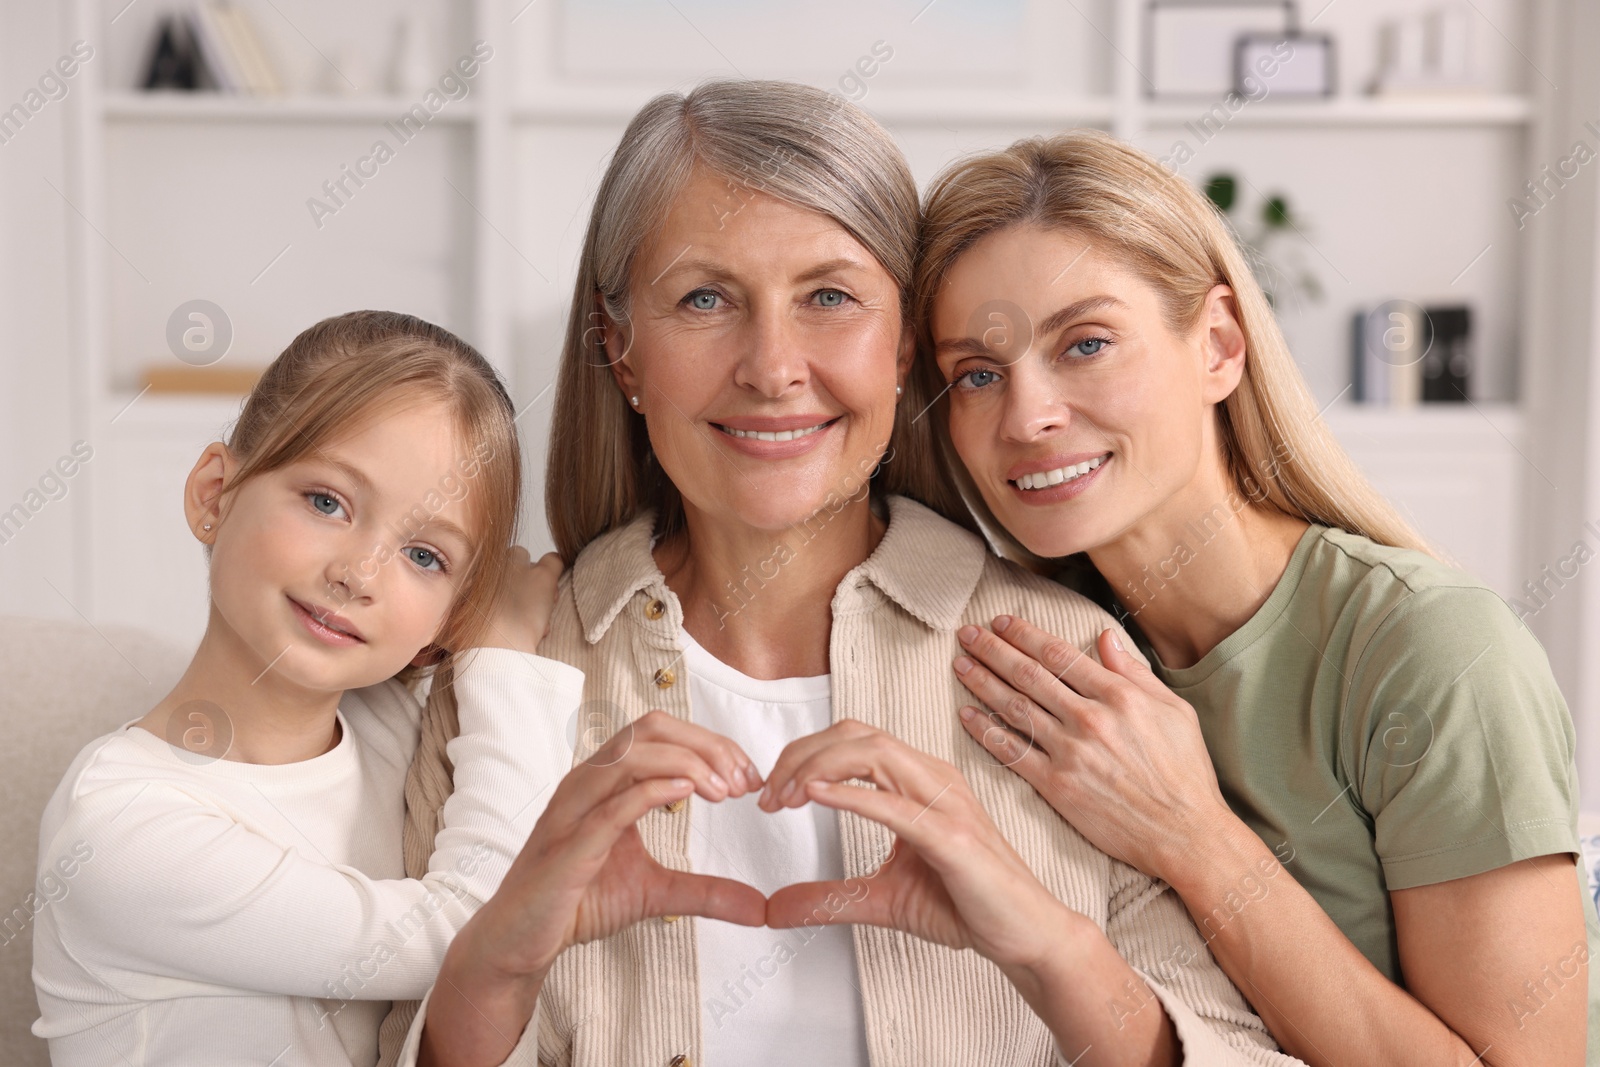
(1499, 109)
(491, 253)
(125, 106)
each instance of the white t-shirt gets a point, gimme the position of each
(780, 998)
(229, 913)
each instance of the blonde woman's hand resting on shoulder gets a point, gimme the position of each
(1108, 745)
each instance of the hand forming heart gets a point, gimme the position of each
(950, 876)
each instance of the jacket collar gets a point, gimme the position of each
(925, 563)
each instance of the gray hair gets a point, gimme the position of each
(810, 148)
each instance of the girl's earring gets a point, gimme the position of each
(207, 526)
(899, 391)
(635, 400)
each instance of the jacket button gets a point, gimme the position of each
(674, 806)
(671, 919)
(655, 609)
(680, 1060)
(664, 678)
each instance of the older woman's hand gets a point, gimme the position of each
(584, 872)
(1111, 748)
(950, 876)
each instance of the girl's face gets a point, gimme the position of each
(369, 527)
(765, 350)
(1078, 413)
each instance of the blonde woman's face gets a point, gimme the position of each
(1078, 413)
(369, 527)
(765, 350)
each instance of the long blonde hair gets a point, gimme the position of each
(807, 147)
(1278, 451)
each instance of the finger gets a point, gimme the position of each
(842, 900)
(590, 784)
(683, 893)
(926, 826)
(1036, 724)
(1019, 670)
(722, 753)
(881, 758)
(593, 834)
(1116, 652)
(798, 751)
(1009, 748)
(951, 834)
(1066, 661)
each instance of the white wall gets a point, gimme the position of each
(35, 373)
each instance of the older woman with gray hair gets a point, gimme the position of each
(776, 845)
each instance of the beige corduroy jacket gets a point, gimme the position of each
(634, 998)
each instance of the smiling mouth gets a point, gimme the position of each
(1059, 476)
(775, 435)
(323, 621)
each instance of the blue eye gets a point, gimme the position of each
(1094, 345)
(829, 298)
(977, 379)
(319, 499)
(429, 556)
(703, 300)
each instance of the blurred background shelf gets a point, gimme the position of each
(1495, 110)
(476, 223)
(563, 104)
(128, 106)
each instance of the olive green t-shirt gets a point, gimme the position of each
(1385, 721)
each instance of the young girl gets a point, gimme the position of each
(238, 892)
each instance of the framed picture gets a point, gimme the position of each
(1283, 64)
(1190, 45)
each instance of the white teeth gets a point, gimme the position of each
(1045, 479)
(780, 435)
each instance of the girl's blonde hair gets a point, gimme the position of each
(1279, 452)
(810, 148)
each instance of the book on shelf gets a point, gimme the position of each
(220, 46)
(1402, 354)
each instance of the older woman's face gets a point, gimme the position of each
(765, 349)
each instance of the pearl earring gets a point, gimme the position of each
(207, 526)
(635, 400)
(898, 391)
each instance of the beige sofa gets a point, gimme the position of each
(62, 684)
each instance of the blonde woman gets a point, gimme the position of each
(1321, 690)
(706, 887)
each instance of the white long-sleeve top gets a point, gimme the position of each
(206, 913)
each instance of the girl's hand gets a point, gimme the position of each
(1111, 748)
(585, 874)
(521, 614)
(950, 876)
